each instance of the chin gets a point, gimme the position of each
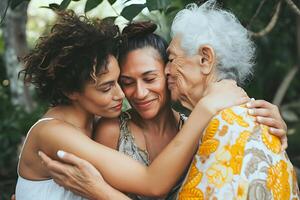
(149, 114)
(110, 114)
(174, 96)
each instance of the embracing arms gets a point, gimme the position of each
(77, 172)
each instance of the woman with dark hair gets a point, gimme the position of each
(74, 68)
(146, 129)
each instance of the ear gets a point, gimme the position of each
(207, 59)
(72, 95)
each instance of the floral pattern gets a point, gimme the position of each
(239, 159)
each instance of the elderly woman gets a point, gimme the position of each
(237, 158)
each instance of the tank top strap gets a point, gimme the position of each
(37, 122)
(124, 130)
(182, 119)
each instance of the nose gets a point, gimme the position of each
(119, 94)
(167, 69)
(141, 91)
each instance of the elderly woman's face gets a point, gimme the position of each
(183, 72)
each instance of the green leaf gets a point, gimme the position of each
(171, 9)
(157, 4)
(64, 4)
(52, 6)
(90, 4)
(110, 19)
(132, 11)
(15, 3)
(112, 1)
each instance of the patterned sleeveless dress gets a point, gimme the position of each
(127, 145)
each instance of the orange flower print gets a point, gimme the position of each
(211, 129)
(191, 194)
(218, 174)
(189, 190)
(208, 147)
(278, 181)
(230, 117)
(237, 152)
(224, 130)
(271, 141)
(242, 189)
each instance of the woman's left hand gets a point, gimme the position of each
(268, 114)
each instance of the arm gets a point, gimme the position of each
(86, 180)
(268, 114)
(169, 164)
(120, 171)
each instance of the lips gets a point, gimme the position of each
(117, 107)
(170, 84)
(143, 104)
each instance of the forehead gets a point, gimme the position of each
(175, 46)
(111, 72)
(142, 60)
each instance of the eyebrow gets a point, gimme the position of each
(149, 72)
(106, 83)
(143, 74)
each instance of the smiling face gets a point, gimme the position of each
(187, 75)
(143, 81)
(103, 98)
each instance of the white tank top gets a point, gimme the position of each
(44, 189)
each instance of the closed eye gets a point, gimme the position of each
(149, 80)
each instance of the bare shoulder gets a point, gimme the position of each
(107, 132)
(58, 134)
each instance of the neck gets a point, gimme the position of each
(74, 115)
(195, 93)
(163, 121)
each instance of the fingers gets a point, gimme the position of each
(260, 104)
(278, 132)
(284, 143)
(269, 122)
(69, 158)
(45, 159)
(259, 112)
(54, 167)
(13, 197)
(242, 100)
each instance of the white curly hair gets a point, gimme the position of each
(209, 25)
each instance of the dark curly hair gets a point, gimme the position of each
(139, 35)
(72, 54)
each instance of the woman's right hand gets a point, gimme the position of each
(223, 94)
(79, 176)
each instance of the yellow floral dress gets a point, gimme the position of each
(239, 159)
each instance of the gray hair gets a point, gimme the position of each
(209, 25)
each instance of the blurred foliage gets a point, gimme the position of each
(14, 124)
(276, 55)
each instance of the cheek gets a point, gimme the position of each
(129, 92)
(101, 100)
(181, 82)
(159, 87)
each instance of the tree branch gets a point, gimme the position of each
(293, 6)
(256, 13)
(271, 24)
(285, 85)
(4, 11)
